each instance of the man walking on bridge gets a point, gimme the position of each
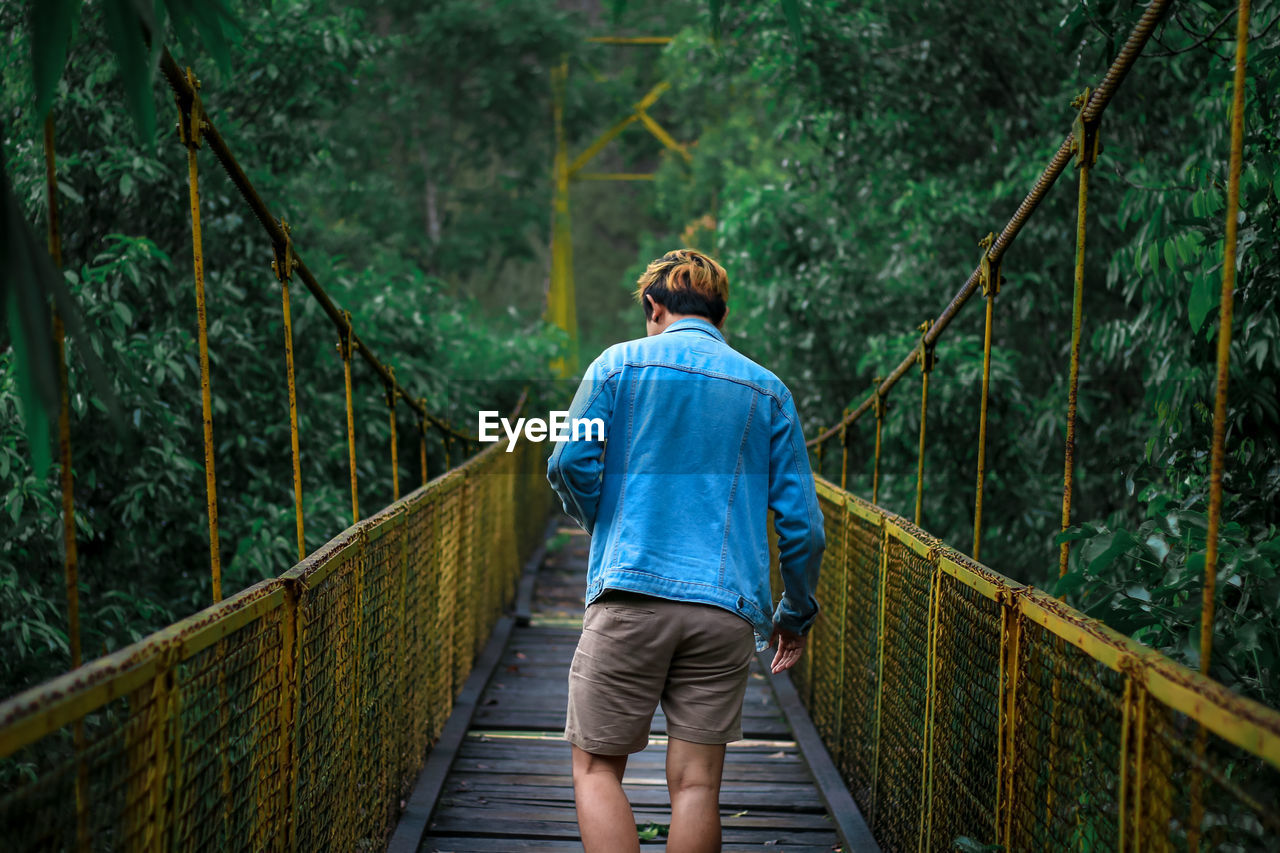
(700, 443)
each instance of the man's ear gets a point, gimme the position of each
(656, 309)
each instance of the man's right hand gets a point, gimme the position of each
(789, 644)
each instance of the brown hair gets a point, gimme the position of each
(685, 281)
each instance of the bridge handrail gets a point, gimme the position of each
(956, 701)
(296, 713)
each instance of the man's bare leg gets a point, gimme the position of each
(604, 814)
(693, 782)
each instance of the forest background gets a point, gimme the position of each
(846, 157)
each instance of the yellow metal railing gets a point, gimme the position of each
(295, 714)
(957, 702)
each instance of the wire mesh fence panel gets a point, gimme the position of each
(825, 640)
(1197, 790)
(227, 744)
(423, 684)
(41, 808)
(381, 717)
(901, 745)
(965, 721)
(1066, 757)
(327, 714)
(863, 542)
(295, 713)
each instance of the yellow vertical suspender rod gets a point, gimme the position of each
(395, 462)
(927, 360)
(344, 349)
(990, 278)
(71, 557)
(283, 266)
(1086, 154)
(1226, 309)
(190, 128)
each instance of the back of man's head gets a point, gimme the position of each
(685, 281)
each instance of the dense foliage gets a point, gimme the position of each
(404, 199)
(854, 170)
(847, 156)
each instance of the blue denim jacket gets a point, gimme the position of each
(700, 443)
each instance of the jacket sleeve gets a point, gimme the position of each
(797, 520)
(576, 467)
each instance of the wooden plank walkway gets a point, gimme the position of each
(510, 786)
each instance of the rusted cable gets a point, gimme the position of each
(191, 127)
(1093, 110)
(186, 93)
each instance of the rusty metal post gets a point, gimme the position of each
(844, 452)
(344, 348)
(283, 265)
(927, 361)
(395, 462)
(990, 278)
(1086, 154)
(190, 126)
(422, 441)
(879, 412)
(1226, 309)
(71, 557)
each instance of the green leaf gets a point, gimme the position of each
(716, 9)
(53, 24)
(791, 9)
(1068, 583)
(1201, 301)
(124, 21)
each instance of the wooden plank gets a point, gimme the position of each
(421, 802)
(853, 830)
(528, 577)
(464, 844)
(509, 784)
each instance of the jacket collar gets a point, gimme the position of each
(697, 324)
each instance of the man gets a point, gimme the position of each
(700, 443)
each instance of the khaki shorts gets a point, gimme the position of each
(637, 650)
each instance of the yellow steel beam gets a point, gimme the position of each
(638, 41)
(614, 176)
(664, 137)
(600, 142)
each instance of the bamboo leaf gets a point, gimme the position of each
(124, 21)
(53, 25)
